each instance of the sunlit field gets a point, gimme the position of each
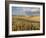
(23, 23)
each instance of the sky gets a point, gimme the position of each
(26, 11)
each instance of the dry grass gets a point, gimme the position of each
(21, 23)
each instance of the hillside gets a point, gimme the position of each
(20, 23)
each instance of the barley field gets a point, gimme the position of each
(22, 23)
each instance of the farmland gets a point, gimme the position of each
(22, 23)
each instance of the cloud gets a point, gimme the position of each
(25, 11)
